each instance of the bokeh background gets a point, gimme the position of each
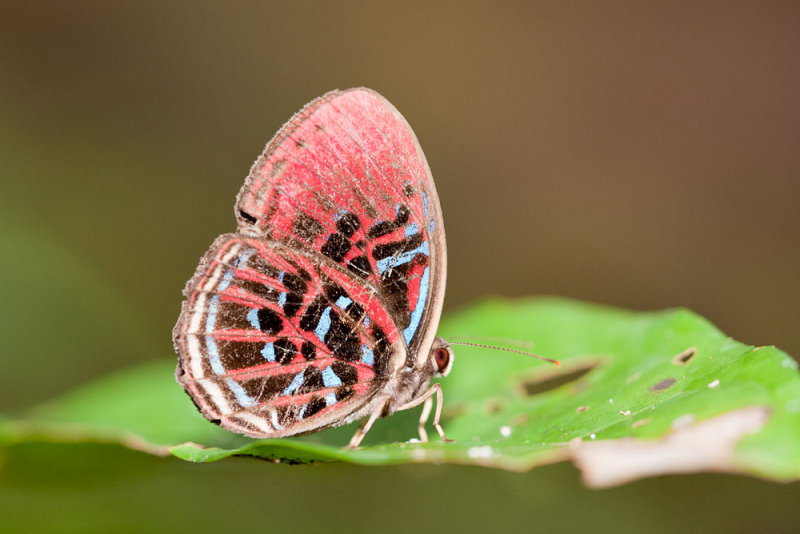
(643, 156)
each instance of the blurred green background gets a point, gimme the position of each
(639, 156)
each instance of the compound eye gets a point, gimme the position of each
(441, 357)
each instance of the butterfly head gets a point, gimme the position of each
(441, 357)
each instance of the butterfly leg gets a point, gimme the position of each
(366, 424)
(423, 418)
(427, 398)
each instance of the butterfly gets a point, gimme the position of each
(322, 308)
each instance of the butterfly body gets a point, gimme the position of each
(323, 307)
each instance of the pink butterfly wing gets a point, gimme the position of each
(292, 325)
(346, 177)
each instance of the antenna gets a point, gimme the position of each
(496, 339)
(480, 345)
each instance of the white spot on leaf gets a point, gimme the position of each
(480, 452)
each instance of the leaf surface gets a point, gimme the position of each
(644, 393)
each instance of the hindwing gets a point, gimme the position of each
(273, 341)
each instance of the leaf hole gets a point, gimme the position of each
(664, 384)
(542, 383)
(684, 357)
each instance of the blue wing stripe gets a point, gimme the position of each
(416, 315)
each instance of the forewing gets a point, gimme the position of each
(346, 179)
(274, 342)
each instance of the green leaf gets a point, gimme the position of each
(637, 394)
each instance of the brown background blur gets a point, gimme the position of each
(644, 157)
